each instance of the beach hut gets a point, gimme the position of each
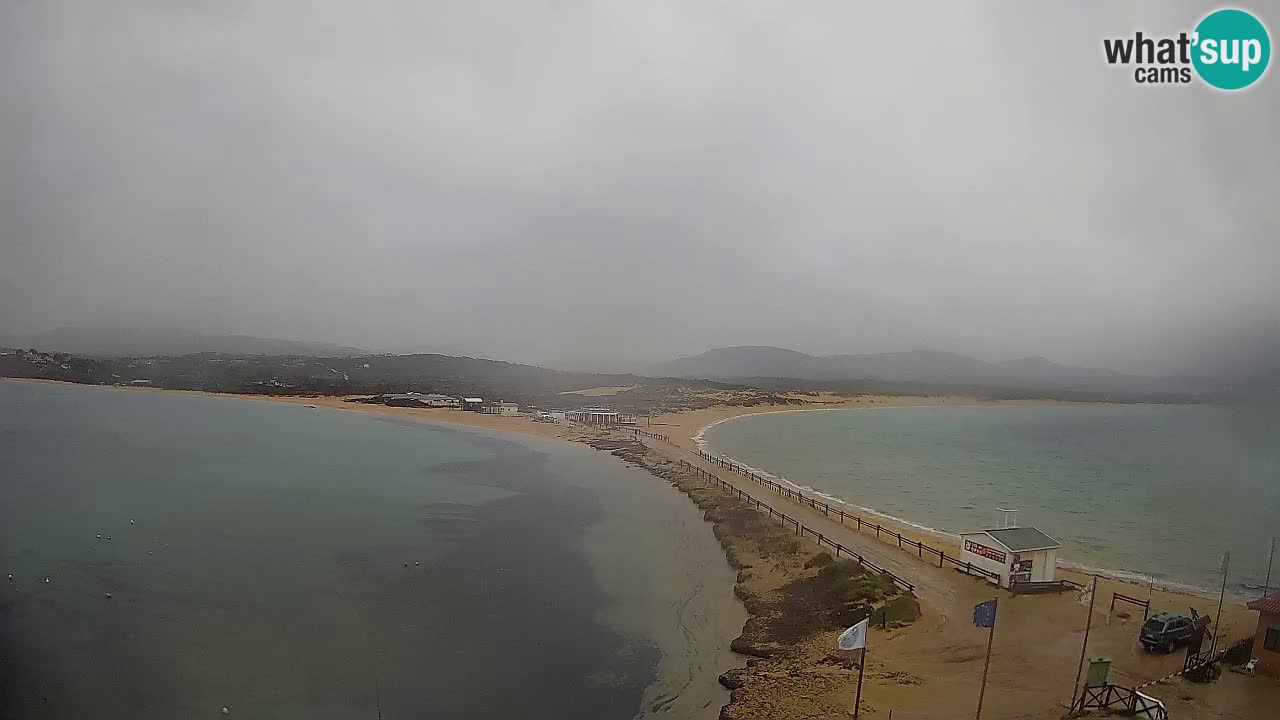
(1016, 554)
(1266, 641)
(474, 404)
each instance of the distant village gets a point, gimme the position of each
(595, 415)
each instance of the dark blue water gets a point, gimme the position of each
(265, 566)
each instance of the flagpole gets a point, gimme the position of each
(1266, 586)
(987, 665)
(1217, 628)
(862, 665)
(1084, 647)
(855, 638)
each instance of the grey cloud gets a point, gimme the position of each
(615, 183)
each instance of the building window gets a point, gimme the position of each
(1272, 640)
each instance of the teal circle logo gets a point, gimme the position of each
(1232, 49)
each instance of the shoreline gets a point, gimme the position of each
(686, 428)
(937, 650)
(920, 531)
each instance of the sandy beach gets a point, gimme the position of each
(931, 667)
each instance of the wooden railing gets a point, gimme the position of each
(788, 521)
(852, 520)
(1117, 699)
(1144, 604)
(642, 433)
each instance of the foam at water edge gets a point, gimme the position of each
(700, 441)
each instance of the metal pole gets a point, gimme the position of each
(1093, 597)
(1217, 628)
(987, 665)
(862, 665)
(1266, 586)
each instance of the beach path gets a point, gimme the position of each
(934, 665)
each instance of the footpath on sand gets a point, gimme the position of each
(1037, 640)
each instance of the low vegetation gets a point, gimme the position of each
(797, 596)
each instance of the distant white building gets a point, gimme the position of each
(501, 408)
(601, 416)
(1016, 554)
(413, 399)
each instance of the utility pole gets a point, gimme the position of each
(982, 691)
(1217, 627)
(1093, 596)
(1266, 586)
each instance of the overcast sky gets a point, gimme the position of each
(618, 182)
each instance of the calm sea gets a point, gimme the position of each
(1139, 489)
(256, 556)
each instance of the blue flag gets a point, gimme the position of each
(984, 614)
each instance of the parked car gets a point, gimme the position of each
(1163, 632)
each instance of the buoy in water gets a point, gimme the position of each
(226, 710)
(10, 576)
(108, 596)
(416, 563)
(99, 536)
(108, 537)
(46, 580)
(406, 564)
(130, 521)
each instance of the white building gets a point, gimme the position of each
(1016, 554)
(601, 416)
(501, 408)
(413, 399)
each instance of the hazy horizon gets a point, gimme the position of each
(609, 186)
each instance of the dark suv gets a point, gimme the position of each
(1165, 631)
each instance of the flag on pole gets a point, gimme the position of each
(984, 614)
(855, 637)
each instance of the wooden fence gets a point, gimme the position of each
(642, 433)
(1118, 699)
(853, 520)
(787, 521)
(1144, 604)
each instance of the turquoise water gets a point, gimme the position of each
(1138, 489)
(256, 557)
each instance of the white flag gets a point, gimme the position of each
(854, 638)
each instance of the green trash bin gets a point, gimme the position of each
(1099, 669)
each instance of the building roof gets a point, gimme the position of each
(1269, 604)
(473, 400)
(1023, 539)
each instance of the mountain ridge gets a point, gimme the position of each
(132, 341)
(933, 367)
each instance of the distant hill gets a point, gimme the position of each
(931, 368)
(123, 341)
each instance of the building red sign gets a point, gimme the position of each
(984, 551)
